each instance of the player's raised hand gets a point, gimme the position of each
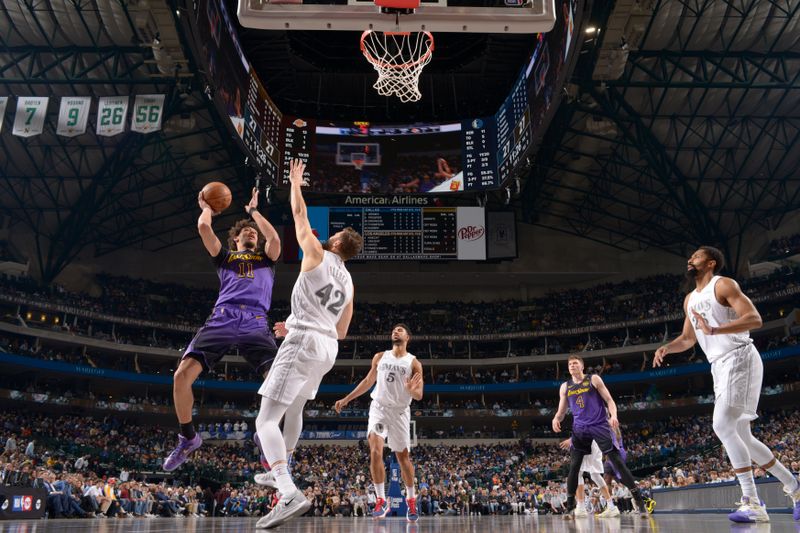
(658, 358)
(702, 323)
(204, 205)
(339, 405)
(414, 382)
(253, 201)
(296, 170)
(556, 425)
(280, 329)
(565, 444)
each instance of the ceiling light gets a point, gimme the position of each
(591, 29)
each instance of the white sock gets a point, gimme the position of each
(379, 493)
(410, 492)
(610, 504)
(784, 475)
(283, 479)
(748, 485)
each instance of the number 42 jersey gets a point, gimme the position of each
(320, 296)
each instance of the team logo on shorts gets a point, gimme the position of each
(378, 428)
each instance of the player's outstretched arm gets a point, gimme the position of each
(611, 405)
(272, 245)
(312, 248)
(681, 343)
(210, 240)
(562, 408)
(365, 384)
(415, 385)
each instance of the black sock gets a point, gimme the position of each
(187, 430)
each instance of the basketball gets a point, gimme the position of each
(217, 195)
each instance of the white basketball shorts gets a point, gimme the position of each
(392, 425)
(737, 379)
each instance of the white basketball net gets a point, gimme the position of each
(399, 59)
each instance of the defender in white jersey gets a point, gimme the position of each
(322, 306)
(719, 317)
(397, 376)
(592, 464)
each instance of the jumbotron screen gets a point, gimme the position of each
(390, 159)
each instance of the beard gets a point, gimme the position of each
(689, 278)
(397, 342)
(327, 245)
(250, 245)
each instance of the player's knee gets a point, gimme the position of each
(183, 377)
(722, 428)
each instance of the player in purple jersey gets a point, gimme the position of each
(610, 471)
(588, 399)
(246, 271)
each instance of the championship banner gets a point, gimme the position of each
(111, 112)
(147, 112)
(73, 115)
(31, 112)
(3, 104)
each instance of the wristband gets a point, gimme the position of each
(713, 331)
(250, 211)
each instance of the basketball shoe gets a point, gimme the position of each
(610, 512)
(795, 496)
(749, 512)
(181, 452)
(581, 512)
(381, 509)
(289, 506)
(411, 512)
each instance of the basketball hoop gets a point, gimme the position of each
(398, 58)
(358, 160)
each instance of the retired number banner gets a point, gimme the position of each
(31, 112)
(73, 115)
(111, 112)
(147, 111)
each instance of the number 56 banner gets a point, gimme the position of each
(147, 111)
(111, 113)
(72, 115)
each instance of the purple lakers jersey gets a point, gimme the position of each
(588, 408)
(245, 278)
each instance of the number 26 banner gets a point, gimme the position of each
(72, 115)
(111, 113)
(147, 111)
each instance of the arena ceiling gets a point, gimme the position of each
(678, 127)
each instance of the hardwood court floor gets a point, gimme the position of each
(658, 523)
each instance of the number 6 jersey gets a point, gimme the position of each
(320, 295)
(390, 386)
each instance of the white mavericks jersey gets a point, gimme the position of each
(320, 295)
(390, 388)
(706, 305)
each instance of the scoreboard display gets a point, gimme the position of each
(408, 233)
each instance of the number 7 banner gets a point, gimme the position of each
(72, 115)
(111, 111)
(29, 120)
(147, 111)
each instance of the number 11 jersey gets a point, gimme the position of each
(320, 295)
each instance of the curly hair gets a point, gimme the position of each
(350, 243)
(237, 229)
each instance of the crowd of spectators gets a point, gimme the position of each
(639, 299)
(105, 467)
(784, 247)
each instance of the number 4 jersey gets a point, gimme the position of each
(320, 295)
(390, 386)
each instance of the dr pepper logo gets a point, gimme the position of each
(471, 233)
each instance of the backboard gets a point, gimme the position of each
(465, 16)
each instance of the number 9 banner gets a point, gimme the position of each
(72, 115)
(147, 112)
(111, 113)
